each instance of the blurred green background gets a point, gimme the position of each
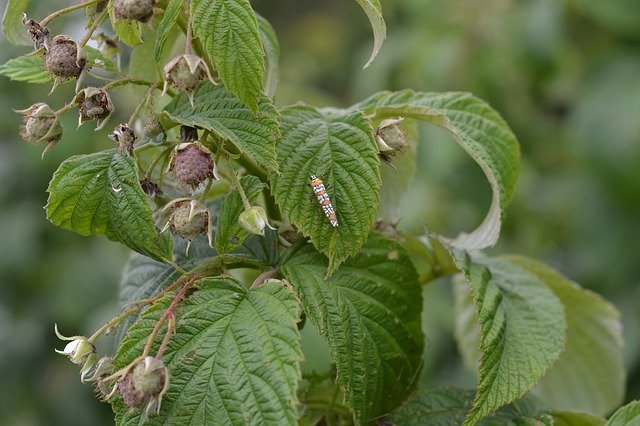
(564, 74)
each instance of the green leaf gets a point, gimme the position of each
(12, 26)
(234, 358)
(26, 68)
(590, 374)
(99, 194)
(95, 58)
(629, 415)
(369, 312)
(218, 111)
(142, 65)
(271, 48)
(374, 12)
(229, 29)
(339, 148)
(127, 30)
(170, 17)
(522, 330)
(574, 418)
(230, 235)
(479, 129)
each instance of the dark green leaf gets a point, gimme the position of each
(230, 235)
(26, 68)
(12, 27)
(234, 358)
(339, 148)
(229, 29)
(99, 194)
(479, 129)
(369, 313)
(170, 17)
(220, 112)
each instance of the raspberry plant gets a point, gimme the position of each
(208, 154)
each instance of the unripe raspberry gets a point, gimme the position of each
(189, 218)
(145, 384)
(185, 73)
(125, 137)
(94, 104)
(137, 10)
(192, 164)
(40, 125)
(38, 33)
(391, 138)
(64, 59)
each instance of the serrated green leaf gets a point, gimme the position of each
(234, 358)
(373, 9)
(169, 18)
(590, 374)
(522, 330)
(218, 111)
(128, 31)
(99, 194)
(229, 29)
(629, 415)
(95, 58)
(339, 148)
(12, 26)
(230, 235)
(26, 68)
(369, 313)
(479, 129)
(272, 56)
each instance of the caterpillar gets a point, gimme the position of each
(324, 200)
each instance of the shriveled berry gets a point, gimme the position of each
(192, 164)
(125, 137)
(40, 125)
(94, 104)
(391, 138)
(145, 383)
(185, 73)
(63, 58)
(189, 218)
(137, 10)
(38, 33)
(132, 397)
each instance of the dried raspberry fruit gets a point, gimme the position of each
(94, 104)
(38, 33)
(189, 218)
(391, 138)
(125, 137)
(145, 383)
(137, 10)
(185, 73)
(192, 164)
(41, 125)
(64, 59)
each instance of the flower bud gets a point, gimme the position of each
(254, 220)
(185, 72)
(137, 10)
(64, 58)
(39, 34)
(192, 164)
(125, 137)
(79, 349)
(391, 138)
(188, 219)
(145, 384)
(94, 104)
(40, 125)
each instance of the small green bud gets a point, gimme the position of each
(254, 220)
(79, 350)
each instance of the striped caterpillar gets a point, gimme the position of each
(324, 200)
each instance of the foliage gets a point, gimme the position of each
(232, 349)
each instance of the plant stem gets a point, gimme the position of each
(156, 160)
(142, 103)
(93, 27)
(66, 10)
(125, 81)
(64, 109)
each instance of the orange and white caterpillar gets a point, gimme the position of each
(324, 200)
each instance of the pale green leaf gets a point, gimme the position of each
(218, 111)
(169, 18)
(142, 65)
(522, 330)
(229, 30)
(271, 48)
(12, 27)
(95, 58)
(575, 418)
(128, 31)
(479, 129)
(230, 235)
(374, 12)
(369, 313)
(26, 68)
(99, 194)
(339, 148)
(590, 374)
(234, 358)
(629, 415)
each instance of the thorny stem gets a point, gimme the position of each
(171, 329)
(125, 81)
(64, 109)
(243, 195)
(142, 103)
(66, 10)
(188, 42)
(92, 28)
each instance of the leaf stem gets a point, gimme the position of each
(66, 10)
(96, 23)
(125, 81)
(156, 160)
(142, 103)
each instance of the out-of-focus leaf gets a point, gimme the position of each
(272, 56)
(12, 27)
(29, 69)
(374, 12)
